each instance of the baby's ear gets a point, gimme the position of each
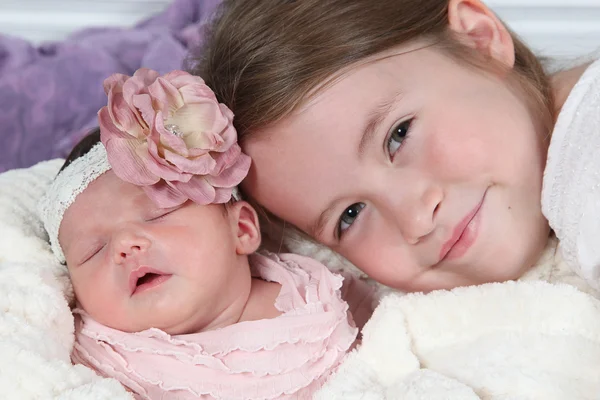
(246, 227)
(482, 29)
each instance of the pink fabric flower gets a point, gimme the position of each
(170, 135)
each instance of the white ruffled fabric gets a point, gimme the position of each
(287, 357)
(571, 193)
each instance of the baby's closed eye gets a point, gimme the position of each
(91, 252)
(160, 213)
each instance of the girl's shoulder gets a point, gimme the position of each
(571, 183)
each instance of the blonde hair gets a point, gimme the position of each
(264, 58)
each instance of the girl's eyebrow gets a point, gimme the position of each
(318, 227)
(376, 117)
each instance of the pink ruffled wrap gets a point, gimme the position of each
(288, 357)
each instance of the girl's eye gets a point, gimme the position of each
(348, 217)
(397, 136)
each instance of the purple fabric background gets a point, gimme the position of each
(50, 94)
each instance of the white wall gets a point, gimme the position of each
(554, 27)
(42, 20)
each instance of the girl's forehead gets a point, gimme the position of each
(410, 52)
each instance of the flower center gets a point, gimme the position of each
(174, 129)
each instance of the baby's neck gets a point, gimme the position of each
(261, 301)
(258, 304)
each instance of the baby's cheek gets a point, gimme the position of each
(97, 298)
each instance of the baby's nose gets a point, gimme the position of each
(128, 246)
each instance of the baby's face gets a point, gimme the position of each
(136, 266)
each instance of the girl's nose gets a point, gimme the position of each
(418, 211)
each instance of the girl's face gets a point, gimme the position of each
(135, 266)
(424, 173)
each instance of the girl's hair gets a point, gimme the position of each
(82, 148)
(264, 58)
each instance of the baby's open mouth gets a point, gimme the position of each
(148, 278)
(145, 278)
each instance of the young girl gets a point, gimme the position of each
(171, 299)
(409, 136)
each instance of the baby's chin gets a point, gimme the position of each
(132, 321)
(169, 328)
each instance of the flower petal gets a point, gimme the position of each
(128, 159)
(228, 132)
(168, 173)
(194, 92)
(200, 124)
(145, 76)
(162, 167)
(190, 84)
(197, 189)
(166, 96)
(202, 165)
(222, 195)
(164, 195)
(115, 80)
(226, 159)
(233, 175)
(138, 84)
(145, 111)
(108, 129)
(121, 114)
(193, 153)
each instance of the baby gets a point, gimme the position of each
(172, 299)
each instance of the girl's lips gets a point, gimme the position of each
(145, 278)
(464, 234)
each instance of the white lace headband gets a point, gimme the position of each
(65, 188)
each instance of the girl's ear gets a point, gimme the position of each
(245, 226)
(481, 29)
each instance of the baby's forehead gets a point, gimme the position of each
(109, 190)
(104, 199)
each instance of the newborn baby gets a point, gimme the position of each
(172, 299)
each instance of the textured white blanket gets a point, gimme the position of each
(514, 340)
(526, 340)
